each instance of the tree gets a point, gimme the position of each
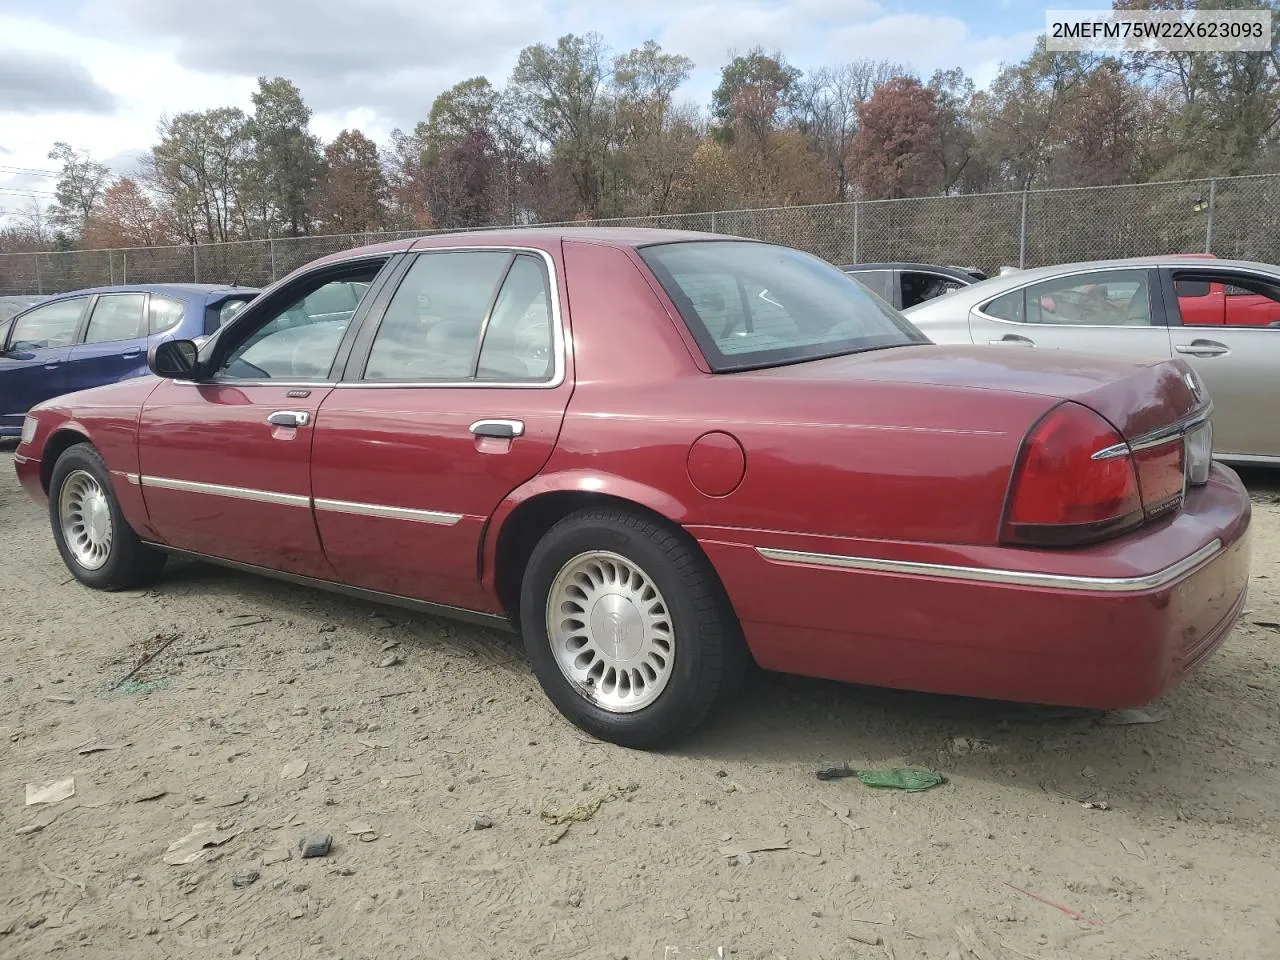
(655, 139)
(459, 190)
(753, 88)
(406, 175)
(354, 191)
(79, 189)
(1018, 117)
(960, 170)
(458, 112)
(827, 108)
(896, 149)
(562, 97)
(127, 217)
(287, 159)
(198, 168)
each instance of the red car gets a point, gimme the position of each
(660, 455)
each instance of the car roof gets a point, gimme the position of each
(994, 286)
(538, 237)
(207, 291)
(957, 272)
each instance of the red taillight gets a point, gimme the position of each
(1074, 482)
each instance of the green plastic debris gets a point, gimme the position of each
(902, 778)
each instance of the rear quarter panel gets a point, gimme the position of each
(873, 461)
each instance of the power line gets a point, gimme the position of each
(18, 191)
(29, 171)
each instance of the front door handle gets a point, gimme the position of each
(499, 429)
(54, 365)
(1203, 348)
(1014, 338)
(132, 355)
(289, 418)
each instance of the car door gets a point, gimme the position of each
(114, 344)
(225, 463)
(1113, 312)
(34, 360)
(1239, 364)
(453, 397)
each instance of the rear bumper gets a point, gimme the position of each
(1106, 627)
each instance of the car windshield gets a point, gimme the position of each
(751, 305)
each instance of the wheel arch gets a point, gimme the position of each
(522, 521)
(66, 435)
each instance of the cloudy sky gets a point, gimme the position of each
(99, 73)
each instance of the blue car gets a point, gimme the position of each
(86, 338)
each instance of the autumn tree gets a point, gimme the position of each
(79, 189)
(353, 191)
(753, 88)
(127, 217)
(826, 107)
(405, 171)
(895, 153)
(460, 183)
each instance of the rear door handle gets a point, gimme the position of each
(499, 429)
(289, 418)
(1014, 338)
(1203, 348)
(54, 365)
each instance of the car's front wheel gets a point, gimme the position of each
(627, 627)
(96, 542)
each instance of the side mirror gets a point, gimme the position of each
(176, 359)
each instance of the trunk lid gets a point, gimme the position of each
(1136, 398)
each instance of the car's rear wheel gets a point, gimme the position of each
(96, 542)
(627, 627)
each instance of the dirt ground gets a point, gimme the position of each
(438, 767)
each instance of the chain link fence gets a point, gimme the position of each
(1231, 217)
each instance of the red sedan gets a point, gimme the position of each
(661, 454)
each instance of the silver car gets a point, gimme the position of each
(1223, 316)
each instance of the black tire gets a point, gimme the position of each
(709, 655)
(130, 562)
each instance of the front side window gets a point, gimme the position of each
(165, 313)
(1120, 298)
(754, 305)
(301, 341)
(433, 325)
(117, 316)
(53, 325)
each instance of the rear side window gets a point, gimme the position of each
(1011, 307)
(165, 314)
(879, 282)
(754, 305)
(467, 315)
(117, 316)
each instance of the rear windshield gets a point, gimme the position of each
(752, 305)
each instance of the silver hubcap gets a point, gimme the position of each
(85, 515)
(610, 631)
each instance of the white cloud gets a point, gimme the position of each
(375, 64)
